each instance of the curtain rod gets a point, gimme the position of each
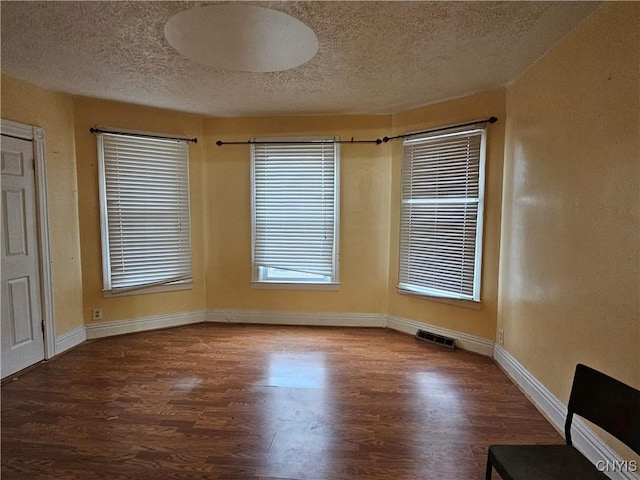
(431, 130)
(377, 141)
(306, 142)
(144, 135)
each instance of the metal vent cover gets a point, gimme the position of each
(436, 339)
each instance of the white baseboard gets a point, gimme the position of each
(324, 319)
(70, 339)
(375, 320)
(465, 341)
(583, 438)
(119, 327)
(552, 408)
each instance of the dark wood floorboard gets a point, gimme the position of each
(215, 401)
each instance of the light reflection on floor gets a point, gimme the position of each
(297, 414)
(302, 370)
(436, 385)
(186, 384)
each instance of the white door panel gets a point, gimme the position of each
(22, 341)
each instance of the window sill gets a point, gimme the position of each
(449, 301)
(294, 286)
(147, 290)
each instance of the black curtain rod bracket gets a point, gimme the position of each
(144, 135)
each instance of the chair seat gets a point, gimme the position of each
(542, 462)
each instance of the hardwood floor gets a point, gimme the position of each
(214, 401)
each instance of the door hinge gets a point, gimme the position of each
(42, 325)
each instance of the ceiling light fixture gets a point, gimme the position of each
(241, 37)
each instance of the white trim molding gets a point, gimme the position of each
(465, 341)
(142, 324)
(91, 331)
(325, 319)
(36, 135)
(584, 439)
(70, 339)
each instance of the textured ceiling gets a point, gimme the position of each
(373, 57)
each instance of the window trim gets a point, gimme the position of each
(185, 283)
(268, 285)
(334, 279)
(442, 295)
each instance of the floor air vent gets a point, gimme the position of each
(437, 339)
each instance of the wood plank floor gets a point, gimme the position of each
(213, 401)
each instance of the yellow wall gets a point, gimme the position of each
(570, 278)
(476, 319)
(364, 215)
(25, 103)
(89, 113)
(222, 236)
(221, 210)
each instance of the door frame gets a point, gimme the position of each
(37, 138)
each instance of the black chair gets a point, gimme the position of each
(597, 397)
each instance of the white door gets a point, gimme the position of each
(22, 335)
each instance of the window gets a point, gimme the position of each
(144, 193)
(441, 217)
(295, 211)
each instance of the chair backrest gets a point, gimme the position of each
(607, 402)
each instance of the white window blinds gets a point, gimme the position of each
(144, 189)
(441, 217)
(295, 209)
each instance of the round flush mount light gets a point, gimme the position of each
(241, 37)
